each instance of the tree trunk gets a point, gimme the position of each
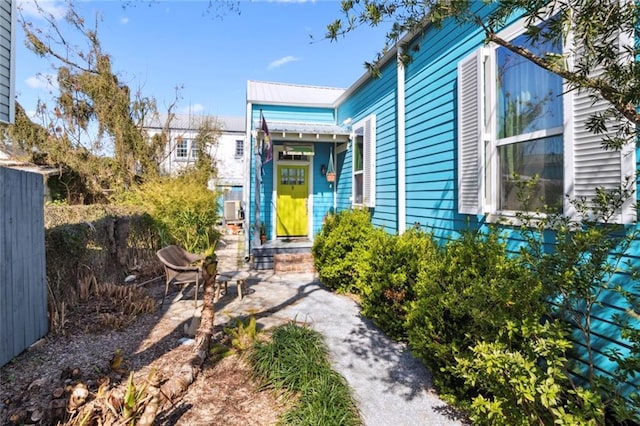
(181, 380)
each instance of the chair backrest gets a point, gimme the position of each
(176, 256)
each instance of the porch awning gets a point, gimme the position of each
(298, 150)
(318, 132)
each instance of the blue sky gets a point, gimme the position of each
(159, 45)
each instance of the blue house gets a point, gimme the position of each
(436, 142)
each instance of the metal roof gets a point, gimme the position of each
(306, 128)
(262, 92)
(192, 122)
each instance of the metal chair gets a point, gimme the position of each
(180, 267)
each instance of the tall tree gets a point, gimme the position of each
(93, 104)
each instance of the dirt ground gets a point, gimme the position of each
(36, 384)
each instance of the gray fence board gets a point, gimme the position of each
(23, 292)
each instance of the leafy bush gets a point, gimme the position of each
(528, 385)
(340, 250)
(466, 295)
(184, 211)
(388, 282)
(593, 282)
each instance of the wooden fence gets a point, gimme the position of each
(23, 289)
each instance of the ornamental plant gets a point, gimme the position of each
(388, 283)
(340, 251)
(587, 265)
(466, 295)
(183, 210)
(521, 379)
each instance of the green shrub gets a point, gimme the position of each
(388, 282)
(340, 250)
(184, 211)
(528, 385)
(593, 282)
(466, 295)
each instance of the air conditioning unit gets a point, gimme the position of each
(231, 210)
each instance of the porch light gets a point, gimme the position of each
(323, 170)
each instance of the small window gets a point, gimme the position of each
(357, 170)
(194, 149)
(186, 149)
(364, 163)
(182, 148)
(292, 157)
(239, 148)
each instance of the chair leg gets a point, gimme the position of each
(166, 290)
(195, 302)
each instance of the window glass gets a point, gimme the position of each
(181, 149)
(539, 162)
(529, 99)
(357, 188)
(194, 149)
(239, 148)
(357, 154)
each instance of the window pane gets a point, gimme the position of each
(540, 159)
(194, 149)
(357, 154)
(181, 149)
(529, 97)
(357, 188)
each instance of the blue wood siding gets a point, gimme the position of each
(322, 190)
(344, 180)
(378, 96)
(431, 158)
(293, 114)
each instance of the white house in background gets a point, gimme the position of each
(227, 154)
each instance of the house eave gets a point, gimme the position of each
(386, 58)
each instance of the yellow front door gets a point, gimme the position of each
(291, 205)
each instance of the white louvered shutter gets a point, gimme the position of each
(594, 166)
(470, 131)
(369, 162)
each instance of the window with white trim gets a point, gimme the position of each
(518, 125)
(239, 148)
(194, 148)
(186, 149)
(364, 162)
(182, 148)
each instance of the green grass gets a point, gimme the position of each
(295, 362)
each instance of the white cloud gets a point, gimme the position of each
(282, 61)
(56, 8)
(42, 81)
(124, 20)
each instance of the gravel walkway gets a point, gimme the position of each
(390, 386)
